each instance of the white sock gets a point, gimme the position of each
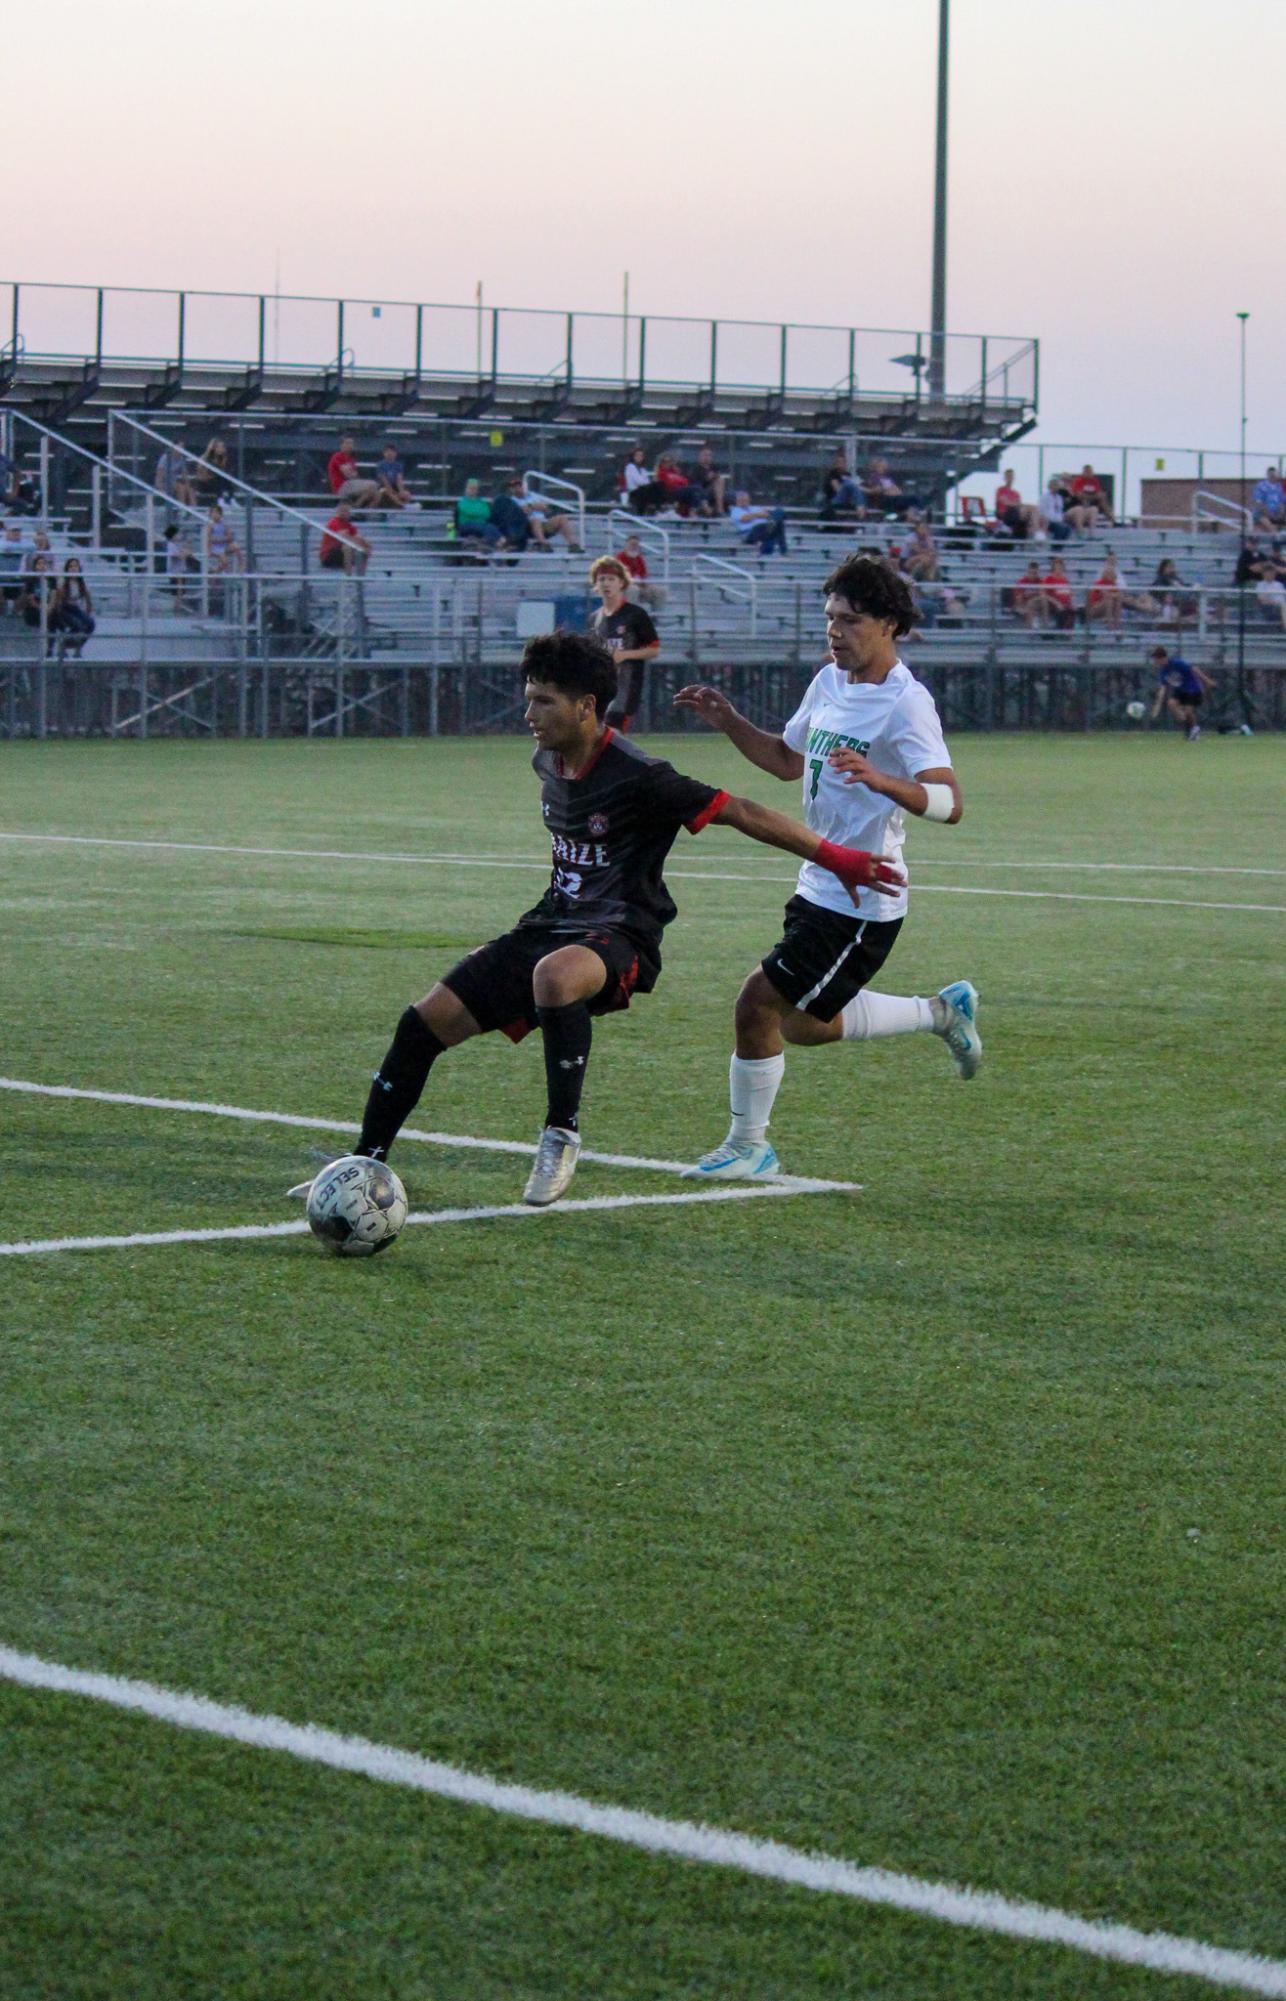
(753, 1083)
(870, 1015)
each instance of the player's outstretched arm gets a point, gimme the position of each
(932, 795)
(855, 868)
(770, 753)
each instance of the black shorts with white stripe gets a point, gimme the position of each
(824, 958)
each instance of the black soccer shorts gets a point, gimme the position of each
(823, 957)
(495, 982)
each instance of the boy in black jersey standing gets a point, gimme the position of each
(593, 940)
(627, 632)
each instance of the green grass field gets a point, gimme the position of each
(936, 1527)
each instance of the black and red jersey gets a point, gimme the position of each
(611, 828)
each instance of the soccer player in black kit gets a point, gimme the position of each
(593, 940)
(627, 632)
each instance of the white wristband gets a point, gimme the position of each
(940, 802)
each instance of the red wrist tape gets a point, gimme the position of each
(856, 868)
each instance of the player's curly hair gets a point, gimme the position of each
(574, 663)
(873, 585)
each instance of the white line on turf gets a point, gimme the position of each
(689, 1841)
(801, 1183)
(679, 874)
(296, 1228)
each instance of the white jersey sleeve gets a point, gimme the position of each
(916, 737)
(795, 732)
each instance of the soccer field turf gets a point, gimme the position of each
(935, 1526)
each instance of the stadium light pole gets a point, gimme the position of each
(938, 310)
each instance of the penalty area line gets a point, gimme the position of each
(655, 1834)
(298, 1227)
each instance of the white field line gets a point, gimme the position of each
(678, 874)
(689, 1841)
(795, 1183)
(518, 1210)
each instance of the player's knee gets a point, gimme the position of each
(560, 979)
(448, 1017)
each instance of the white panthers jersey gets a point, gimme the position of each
(893, 722)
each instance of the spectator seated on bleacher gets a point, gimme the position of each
(762, 528)
(680, 493)
(711, 483)
(71, 609)
(1176, 598)
(209, 475)
(222, 551)
(390, 481)
(1108, 600)
(13, 558)
(179, 565)
(1058, 595)
(1269, 501)
(1054, 510)
(342, 547)
(1027, 599)
(631, 558)
(35, 590)
(842, 491)
(509, 517)
(884, 496)
(172, 478)
(546, 518)
(638, 490)
(472, 520)
(1012, 512)
(345, 478)
(1089, 492)
(1270, 596)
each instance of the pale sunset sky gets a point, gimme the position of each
(1118, 170)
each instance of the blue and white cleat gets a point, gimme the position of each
(960, 1029)
(735, 1160)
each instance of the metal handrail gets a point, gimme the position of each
(750, 594)
(254, 494)
(1207, 507)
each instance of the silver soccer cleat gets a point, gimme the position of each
(557, 1151)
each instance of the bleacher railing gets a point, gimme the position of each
(412, 340)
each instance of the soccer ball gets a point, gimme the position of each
(356, 1206)
(1136, 711)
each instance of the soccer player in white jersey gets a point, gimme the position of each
(867, 742)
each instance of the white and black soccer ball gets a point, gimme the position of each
(1136, 711)
(357, 1206)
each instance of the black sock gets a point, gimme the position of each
(395, 1091)
(568, 1032)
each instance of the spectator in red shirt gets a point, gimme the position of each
(1058, 594)
(1087, 488)
(1108, 599)
(1030, 602)
(342, 548)
(633, 559)
(679, 490)
(346, 482)
(1012, 512)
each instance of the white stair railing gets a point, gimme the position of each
(744, 591)
(1224, 513)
